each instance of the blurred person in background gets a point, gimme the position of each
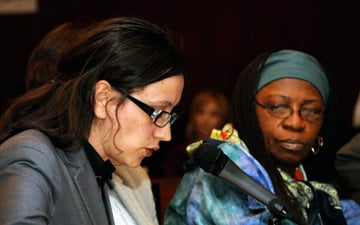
(209, 109)
(348, 158)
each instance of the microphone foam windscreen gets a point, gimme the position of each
(210, 158)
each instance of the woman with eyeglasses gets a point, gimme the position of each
(108, 104)
(282, 110)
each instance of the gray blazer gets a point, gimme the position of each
(40, 184)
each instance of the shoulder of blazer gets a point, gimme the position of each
(38, 146)
(31, 138)
(31, 147)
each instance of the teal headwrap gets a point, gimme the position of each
(294, 64)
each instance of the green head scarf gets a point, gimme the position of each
(294, 64)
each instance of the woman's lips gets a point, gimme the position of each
(149, 152)
(292, 145)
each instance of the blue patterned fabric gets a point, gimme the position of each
(204, 199)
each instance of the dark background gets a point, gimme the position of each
(220, 38)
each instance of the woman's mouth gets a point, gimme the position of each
(292, 145)
(149, 152)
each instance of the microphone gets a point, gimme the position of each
(211, 159)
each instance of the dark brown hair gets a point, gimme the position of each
(127, 52)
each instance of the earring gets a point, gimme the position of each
(54, 79)
(316, 148)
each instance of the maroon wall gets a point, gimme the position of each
(220, 36)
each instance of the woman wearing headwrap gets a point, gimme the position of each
(281, 111)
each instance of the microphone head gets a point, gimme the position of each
(210, 158)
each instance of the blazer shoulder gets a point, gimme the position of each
(28, 138)
(32, 146)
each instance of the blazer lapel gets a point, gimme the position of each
(86, 184)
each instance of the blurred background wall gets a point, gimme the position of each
(220, 37)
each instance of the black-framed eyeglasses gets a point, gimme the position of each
(283, 111)
(159, 117)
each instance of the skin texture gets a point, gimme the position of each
(207, 117)
(127, 134)
(289, 140)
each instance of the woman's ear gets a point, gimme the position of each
(101, 98)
